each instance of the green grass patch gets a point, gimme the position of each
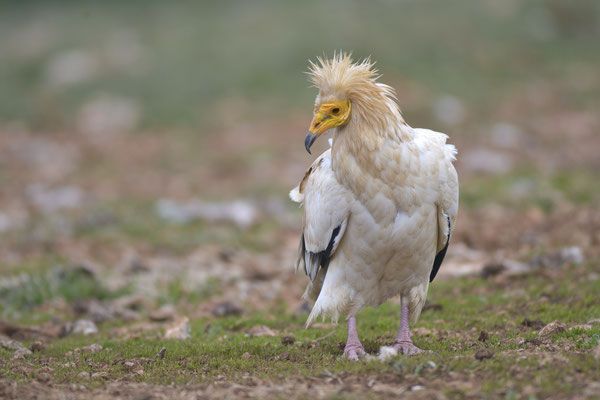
(450, 330)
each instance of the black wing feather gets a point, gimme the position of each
(439, 257)
(322, 257)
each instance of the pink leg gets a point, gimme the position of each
(354, 348)
(404, 342)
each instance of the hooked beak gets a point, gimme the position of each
(308, 141)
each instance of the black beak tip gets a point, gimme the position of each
(308, 141)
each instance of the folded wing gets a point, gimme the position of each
(326, 211)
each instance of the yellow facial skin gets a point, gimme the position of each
(330, 115)
(327, 116)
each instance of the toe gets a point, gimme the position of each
(407, 348)
(354, 353)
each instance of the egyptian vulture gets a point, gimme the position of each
(379, 205)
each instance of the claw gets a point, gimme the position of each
(407, 348)
(354, 352)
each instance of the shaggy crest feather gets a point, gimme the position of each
(340, 77)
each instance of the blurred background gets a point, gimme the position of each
(147, 147)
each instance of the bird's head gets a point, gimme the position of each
(348, 94)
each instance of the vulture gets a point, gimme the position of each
(379, 205)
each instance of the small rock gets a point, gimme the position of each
(44, 377)
(21, 353)
(161, 353)
(386, 353)
(487, 161)
(164, 313)
(261, 330)
(139, 371)
(84, 375)
(95, 310)
(246, 356)
(11, 344)
(240, 212)
(566, 256)
(552, 328)
(429, 365)
(535, 323)
(92, 348)
(288, 340)
(129, 364)
(99, 375)
(483, 336)
(37, 346)
(507, 266)
(50, 200)
(483, 354)
(572, 255)
(284, 356)
(534, 341)
(181, 330)
(136, 265)
(81, 326)
(583, 327)
(492, 269)
(225, 309)
(416, 388)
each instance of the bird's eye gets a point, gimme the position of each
(335, 110)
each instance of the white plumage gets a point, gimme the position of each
(379, 206)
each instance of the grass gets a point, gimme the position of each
(525, 188)
(29, 290)
(221, 347)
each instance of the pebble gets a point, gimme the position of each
(164, 313)
(288, 340)
(93, 348)
(483, 354)
(261, 330)
(37, 346)
(81, 326)
(226, 308)
(84, 375)
(43, 377)
(11, 344)
(552, 328)
(181, 330)
(99, 375)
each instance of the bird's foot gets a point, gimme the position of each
(354, 351)
(407, 348)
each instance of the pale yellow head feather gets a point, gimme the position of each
(340, 78)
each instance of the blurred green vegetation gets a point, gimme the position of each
(195, 63)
